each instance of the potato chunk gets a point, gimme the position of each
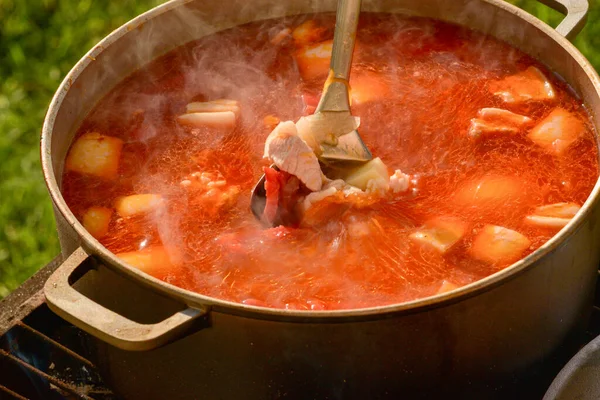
(496, 244)
(557, 131)
(440, 233)
(496, 120)
(155, 260)
(491, 189)
(313, 60)
(95, 154)
(307, 32)
(138, 204)
(553, 215)
(372, 176)
(528, 85)
(96, 221)
(366, 87)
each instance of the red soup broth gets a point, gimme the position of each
(416, 84)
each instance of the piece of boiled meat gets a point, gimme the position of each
(291, 154)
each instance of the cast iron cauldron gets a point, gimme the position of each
(168, 343)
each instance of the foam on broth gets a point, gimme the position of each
(432, 78)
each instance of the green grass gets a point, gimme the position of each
(39, 42)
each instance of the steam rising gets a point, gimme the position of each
(351, 259)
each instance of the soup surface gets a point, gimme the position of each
(496, 155)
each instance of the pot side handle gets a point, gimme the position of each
(575, 12)
(105, 324)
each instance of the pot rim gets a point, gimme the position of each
(198, 300)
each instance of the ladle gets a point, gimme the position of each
(350, 149)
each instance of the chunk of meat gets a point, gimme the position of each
(489, 190)
(528, 85)
(496, 120)
(291, 154)
(557, 131)
(553, 215)
(440, 233)
(96, 221)
(332, 203)
(211, 192)
(134, 204)
(217, 120)
(329, 189)
(95, 154)
(399, 182)
(498, 245)
(155, 260)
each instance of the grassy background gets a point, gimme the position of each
(40, 40)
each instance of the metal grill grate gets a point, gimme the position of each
(47, 358)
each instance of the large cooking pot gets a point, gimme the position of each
(166, 342)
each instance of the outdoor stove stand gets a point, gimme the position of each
(44, 357)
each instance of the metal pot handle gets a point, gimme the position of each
(575, 12)
(105, 324)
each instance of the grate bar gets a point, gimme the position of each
(11, 393)
(56, 344)
(56, 382)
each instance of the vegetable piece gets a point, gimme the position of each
(496, 120)
(291, 154)
(213, 106)
(307, 32)
(446, 286)
(313, 60)
(155, 260)
(553, 215)
(528, 85)
(220, 120)
(366, 87)
(138, 204)
(441, 233)
(557, 131)
(489, 190)
(95, 154)
(372, 175)
(96, 221)
(496, 244)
